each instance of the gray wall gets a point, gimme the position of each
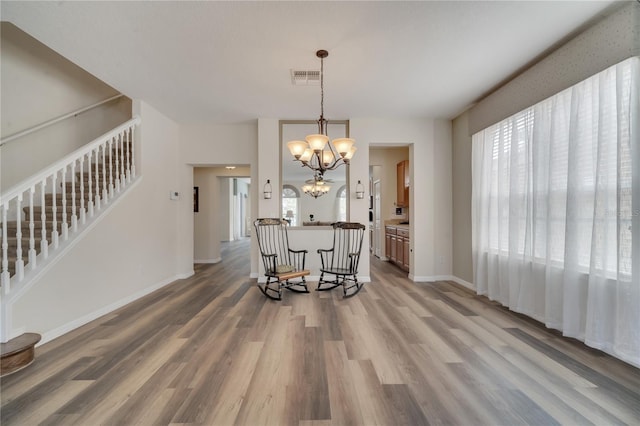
(462, 261)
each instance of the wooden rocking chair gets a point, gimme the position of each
(281, 264)
(342, 260)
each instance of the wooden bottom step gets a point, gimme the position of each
(17, 353)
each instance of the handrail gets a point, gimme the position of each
(33, 180)
(56, 120)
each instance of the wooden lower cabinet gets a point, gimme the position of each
(397, 246)
(407, 253)
(394, 249)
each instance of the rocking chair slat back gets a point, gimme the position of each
(347, 243)
(281, 264)
(341, 261)
(273, 240)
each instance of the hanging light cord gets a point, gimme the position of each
(322, 123)
(321, 88)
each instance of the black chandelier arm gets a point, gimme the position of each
(321, 168)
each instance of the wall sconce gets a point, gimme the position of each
(267, 190)
(359, 190)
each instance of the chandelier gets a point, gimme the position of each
(316, 187)
(316, 152)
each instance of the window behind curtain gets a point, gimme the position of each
(528, 200)
(554, 210)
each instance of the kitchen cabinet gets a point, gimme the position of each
(403, 239)
(402, 184)
(397, 246)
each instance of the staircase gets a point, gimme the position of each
(43, 215)
(68, 210)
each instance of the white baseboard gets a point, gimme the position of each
(185, 275)
(253, 275)
(421, 278)
(70, 326)
(216, 260)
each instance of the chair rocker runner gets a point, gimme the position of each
(281, 264)
(342, 260)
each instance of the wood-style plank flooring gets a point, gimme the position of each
(213, 350)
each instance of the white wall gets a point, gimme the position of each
(38, 85)
(131, 251)
(429, 143)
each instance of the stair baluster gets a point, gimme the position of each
(74, 216)
(4, 280)
(19, 260)
(32, 229)
(54, 212)
(98, 198)
(131, 152)
(65, 225)
(105, 192)
(91, 196)
(118, 160)
(111, 180)
(83, 214)
(44, 242)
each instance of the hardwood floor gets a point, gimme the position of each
(213, 350)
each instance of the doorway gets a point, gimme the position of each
(223, 212)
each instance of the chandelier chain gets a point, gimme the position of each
(321, 88)
(318, 153)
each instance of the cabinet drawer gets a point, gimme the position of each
(390, 230)
(402, 232)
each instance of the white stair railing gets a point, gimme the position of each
(56, 203)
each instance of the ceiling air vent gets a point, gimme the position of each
(305, 77)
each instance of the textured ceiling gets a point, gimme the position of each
(229, 62)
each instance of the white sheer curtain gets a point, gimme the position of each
(556, 193)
